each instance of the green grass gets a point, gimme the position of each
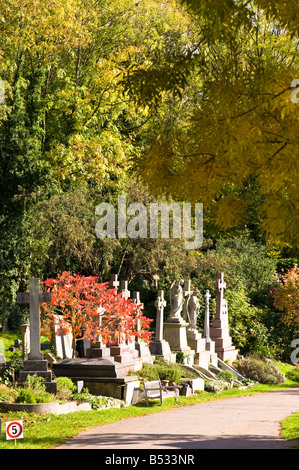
(290, 429)
(8, 339)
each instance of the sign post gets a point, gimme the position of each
(14, 430)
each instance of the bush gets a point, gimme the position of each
(34, 391)
(215, 386)
(25, 396)
(65, 388)
(97, 402)
(259, 370)
(10, 370)
(293, 375)
(7, 394)
(162, 370)
(226, 375)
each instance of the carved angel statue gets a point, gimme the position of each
(193, 309)
(176, 299)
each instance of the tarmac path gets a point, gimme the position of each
(248, 422)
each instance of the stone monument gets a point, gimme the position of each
(175, 327)
(2, 355)
(219, 331)
(194, 338)
(159, 347)
(113, 283)
(35, 362)
(210, 345)
(25, 330)
(124, 290)
(62, 341)
(141, 347)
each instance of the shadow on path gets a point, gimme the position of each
(177, 441)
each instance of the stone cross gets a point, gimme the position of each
(220, 286)
(156, 279)
(187, 294)
(100, 312)
(113, 283)
(136, 299)
(34, 297)
(187, 288)
(124, 290)
(160, 304)
(206, 333)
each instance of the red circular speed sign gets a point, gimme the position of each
(14, 429)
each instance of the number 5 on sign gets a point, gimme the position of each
(14, 430)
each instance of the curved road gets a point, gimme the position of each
(249, 422)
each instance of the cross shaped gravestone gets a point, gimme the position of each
(220, 286)
(34, 297)
(124, 290)
(160, 304)
(187, 294)
(113, 283)
(187, 288)
(206, 334)
(156, 279)
(136, 299)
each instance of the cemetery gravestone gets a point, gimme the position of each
(159, 347)
(219, 330)
(2, 355)
(113, 283)
(24, 327)
(141, 347)
(210, 345)
(194, 339)
(62, 341)
(174, 329)
(98, 348)
(124, 290)
(156, 279)
(35, 363)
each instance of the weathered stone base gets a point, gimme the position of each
(122, 354)
(101, 376)
(219, 333)
(45, 408)
(39, 368)
(227, 354)
(143, 352)
(162, 349)
(175, 335)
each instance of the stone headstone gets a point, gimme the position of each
(97, 348)
(210, 345)
(174, 329)
(113, 283)
(159, 347)
(2, 353)
(194, 338)
(124, 290)
(24, 327)
(176, 297)
(35, 363)
(219, 331)
(156, 279)
(62, 341)
(141, 347)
